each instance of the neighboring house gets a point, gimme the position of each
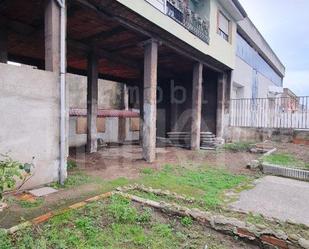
(290, 101)
(176, 56)
(258, 71)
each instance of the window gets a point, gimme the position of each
(223, 26)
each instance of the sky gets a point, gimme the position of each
(285, 26)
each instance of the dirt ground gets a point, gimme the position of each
(300, 152)
(126, 161)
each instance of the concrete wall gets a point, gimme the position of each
(218, 48)
(243, 78)
(29, 111)
(236, 134)
(109, 97)
(109, 93)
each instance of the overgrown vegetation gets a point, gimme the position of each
(73, 180)
(285, 160)
(10, 170)
(114, 223)
(238, 146)
(205, 184)
(31, 204)
(71, 164)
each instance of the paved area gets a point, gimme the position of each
(277, 197)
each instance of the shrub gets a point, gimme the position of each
(10, 170)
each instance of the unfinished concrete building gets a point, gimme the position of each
(172, 61)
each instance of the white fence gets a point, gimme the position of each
(284, 112)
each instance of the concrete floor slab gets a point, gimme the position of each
(42, 191)
(277, 197)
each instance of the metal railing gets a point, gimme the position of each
(180, 12)
(283, 112)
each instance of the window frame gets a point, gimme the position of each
(220, 32)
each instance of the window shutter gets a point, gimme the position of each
(223, 23)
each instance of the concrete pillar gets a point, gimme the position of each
(3, 45)
(126, 97)
(122, 126)
(92, 102)
(174, 109)
(221, 92)
(196, 106)
(52, 36)
(150, 100)
(141, 113)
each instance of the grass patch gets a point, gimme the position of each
(205, 184)
(238, 146)
(31, 204)
(147, 171)
(98, 225)
(73, 180)
(285, 160)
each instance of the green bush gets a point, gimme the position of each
(10, 170)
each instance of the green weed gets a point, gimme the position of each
(285, 160)
(73, 180)
(120, 209)
(186, 221)
(31, 204)
(238, 146)
(71, 165)
(147, 171)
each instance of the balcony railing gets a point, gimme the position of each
(180, 12)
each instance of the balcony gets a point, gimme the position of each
(184, 15)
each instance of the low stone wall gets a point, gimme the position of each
(235, 134)
(262, 236)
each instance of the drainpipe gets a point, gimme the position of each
(63, 160)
